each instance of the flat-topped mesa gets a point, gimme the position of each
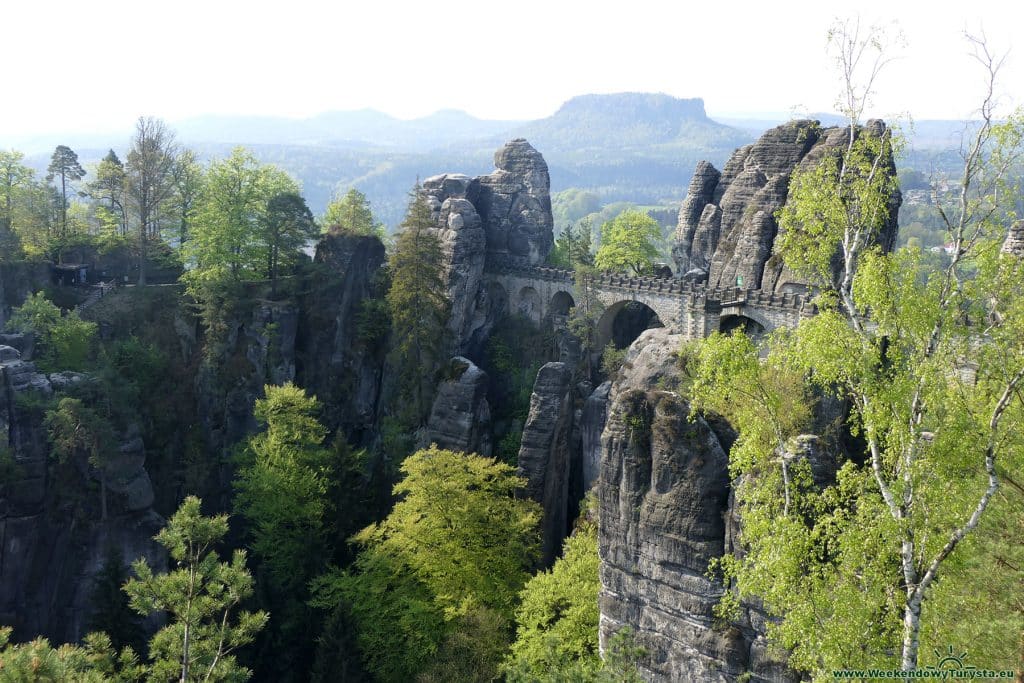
(727, 227)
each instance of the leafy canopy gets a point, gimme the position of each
(458, 546)
(629, 242)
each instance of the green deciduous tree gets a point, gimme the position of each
(418, 305)
(227, 238)
(188, 178)
(351, 215)
(930, 363)
(64, 342)
(455, 551)
(64, 168)
(558, 618)
(201, 597)
(283, 479)
(74, 427)
(15, 179)
(628, 241)
(149, 175)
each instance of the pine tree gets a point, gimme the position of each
(418, 305)
(64, 165)
(201, 597)
(109, 187)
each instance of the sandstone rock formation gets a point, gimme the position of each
(515, 204)
(664, 497)
(546, 452)
(592, 421)
(460, 419)
(502, 217)
(339, 361)
(464, 245)
(1014, 242)
(727, 227)
(49, 563)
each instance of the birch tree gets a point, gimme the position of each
(930, 362)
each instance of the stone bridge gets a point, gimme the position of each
(686, 308)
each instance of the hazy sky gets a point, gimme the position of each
(96, 66)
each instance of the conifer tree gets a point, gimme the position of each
(201, 597)
(418, 305)
(64, 165)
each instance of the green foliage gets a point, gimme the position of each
(373, 322)
(419, 307)
(572, 204)
(64, 343)
(585, 315)
(351, 215)
(287, 227)
(201, 597)
(64, 168)
(74, 427)
(612, 359)
(572, 247)
(233, 233)
(930, 362)
(629, 242)
(93, 662)
(455, 550)
(844, 197)
(108, 188)
(557, 619)
(281, 488)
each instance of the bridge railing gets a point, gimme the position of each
(696, 292)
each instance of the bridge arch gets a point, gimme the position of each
(747, 322)
(624, 321)
(559, 307)
(529, 304)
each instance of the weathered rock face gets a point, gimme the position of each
(727, 229)
(460, 419)
(52, 547)
(339, 360)
(503, 217)
(546, 453)
(515, 204)
(464, 244)
(592, 421)
(258, 350)
(1014, 242)
(664, 496)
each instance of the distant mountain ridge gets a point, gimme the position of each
(629, 120)
(636, 147)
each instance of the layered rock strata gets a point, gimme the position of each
(460, 419)
(664, 502)
(489, 221)
(726, 236)
(546, 453)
